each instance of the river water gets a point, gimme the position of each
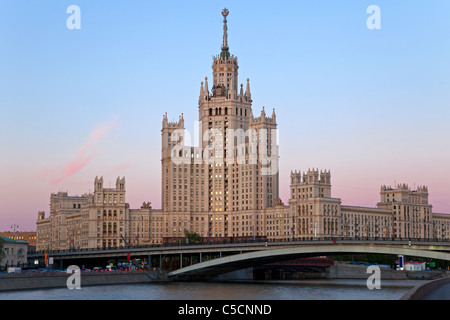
(273, 290)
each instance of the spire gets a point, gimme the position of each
(225, 13)
(202, 94)
(165, 122)
(247, 90)
(225, 54)
(206, 92)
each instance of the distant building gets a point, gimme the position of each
(28, 236)
(414, 266)
(13, 253)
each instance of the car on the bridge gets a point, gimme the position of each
(123, 268)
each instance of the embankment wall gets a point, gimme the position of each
(49, 280)
(420, 292)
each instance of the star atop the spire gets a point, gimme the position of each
(225, 12)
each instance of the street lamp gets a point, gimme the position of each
(14, 226)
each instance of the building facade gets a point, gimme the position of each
(99, 220)
(13, 252)
(228, 186)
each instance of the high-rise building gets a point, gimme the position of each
(231, 170)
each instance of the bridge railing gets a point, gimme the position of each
(256, 241)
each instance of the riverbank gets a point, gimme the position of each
(52, 280)
(422, 291)
(343, 270)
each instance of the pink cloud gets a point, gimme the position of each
(118, 169)
(85, 155)
(122, 166)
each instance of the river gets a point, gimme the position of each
(333, 289)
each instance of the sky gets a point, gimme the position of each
(371, 105)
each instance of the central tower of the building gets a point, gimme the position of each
(231, 138)
(231, 176)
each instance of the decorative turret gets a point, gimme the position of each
(173, 124)
(41, 215)
(98, 184)
(202, 93)
(165, 122)
(263, 118)
(247, 91)
(403, 193)
(206, 92)
(318, 184)
(325, 176)
(120, 184)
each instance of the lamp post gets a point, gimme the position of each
(14, 226)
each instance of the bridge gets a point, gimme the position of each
(208, 260)
(285, 251)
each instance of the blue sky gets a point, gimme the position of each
(371, 105)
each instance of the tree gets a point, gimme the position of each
(192, 237)
(2, 251)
